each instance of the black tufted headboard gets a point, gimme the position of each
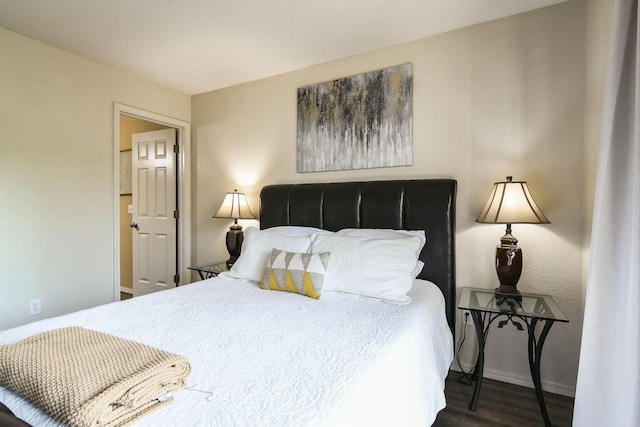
(422, 204)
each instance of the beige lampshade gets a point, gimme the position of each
(234, 206)
(511, 202)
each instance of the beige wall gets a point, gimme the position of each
(56, 166)
(497, 99)
(128, 127)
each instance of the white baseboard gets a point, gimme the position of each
(126, 290)
(506, 377)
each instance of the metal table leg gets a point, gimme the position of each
(477, 372)
(535, 354)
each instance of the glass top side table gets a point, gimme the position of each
(533, 308)
(532, 305)
(207, 271)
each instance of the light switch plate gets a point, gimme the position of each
(130, 209)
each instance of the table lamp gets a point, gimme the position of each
(510, 202)
(234, 206)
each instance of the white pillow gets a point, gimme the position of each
(383, 233)
(375, 268)
(297, 230)
(417, 269)
(257, 247)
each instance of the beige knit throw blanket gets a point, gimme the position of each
(87, 378)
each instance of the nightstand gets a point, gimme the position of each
(534, 308)
(207, 271)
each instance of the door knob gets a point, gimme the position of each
(134, 225)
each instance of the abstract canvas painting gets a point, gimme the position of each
(358, 122)
(125, 172)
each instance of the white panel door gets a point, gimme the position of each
(154, 202)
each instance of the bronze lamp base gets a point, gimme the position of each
(508, 266)
(235, 237)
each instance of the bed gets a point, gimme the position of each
(270, 358)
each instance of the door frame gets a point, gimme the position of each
(183, 130)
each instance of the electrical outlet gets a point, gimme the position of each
(466, 314)
(35, 307)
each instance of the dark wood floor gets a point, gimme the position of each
(500, 404)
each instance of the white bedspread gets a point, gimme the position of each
(278, 359)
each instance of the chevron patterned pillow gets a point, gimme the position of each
(300, 273)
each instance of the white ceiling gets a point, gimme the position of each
(196, 46)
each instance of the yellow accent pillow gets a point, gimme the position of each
(300, 273)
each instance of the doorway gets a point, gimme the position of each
(129, 121)
(129, 126)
